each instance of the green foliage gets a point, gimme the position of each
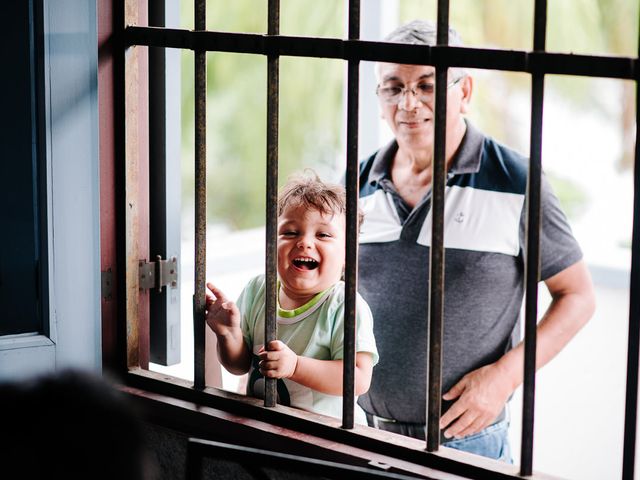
(573, 199)
(310, 113)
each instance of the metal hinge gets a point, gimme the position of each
(158, 274)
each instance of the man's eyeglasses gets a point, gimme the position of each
(423, 92)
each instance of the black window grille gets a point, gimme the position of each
(536, 63)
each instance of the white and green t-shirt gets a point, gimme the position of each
(314, 330)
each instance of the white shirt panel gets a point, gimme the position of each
(381, 222)
(479, 220)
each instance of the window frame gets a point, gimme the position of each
(537, 63)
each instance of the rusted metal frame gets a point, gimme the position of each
(436, 251)
(250, 408)
(633, 347)
(465, 57)
(271, 254)
(136, 210)
(254, 458)
(351, 261)
(532, 266)
(536, 61)
(199, 301)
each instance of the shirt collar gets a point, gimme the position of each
(466, 159)
(382, 162)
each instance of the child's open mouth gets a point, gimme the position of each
(305, 263)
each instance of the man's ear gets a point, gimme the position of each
(467, 91)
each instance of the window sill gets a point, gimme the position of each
(173, 402)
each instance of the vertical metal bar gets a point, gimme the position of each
(157, 185)
(271, 259)
(200, 201)
(532, 267)
(436, 253)
(351, 264)
(633, 348)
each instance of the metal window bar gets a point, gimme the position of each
(200, 200)
(537, 63)
(375, 51)
(352, 187)
(532, 266)
(436, 251)
(157, 191)
(270, 327)
(633, 348)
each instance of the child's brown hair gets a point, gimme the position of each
(308, 191)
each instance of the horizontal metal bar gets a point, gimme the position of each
(438, 56)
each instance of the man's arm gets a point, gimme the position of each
(482, 393)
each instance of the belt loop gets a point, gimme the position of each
(372, 420)
(375, 421)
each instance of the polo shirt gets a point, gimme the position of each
(484, 239)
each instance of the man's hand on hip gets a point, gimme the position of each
(481, 396)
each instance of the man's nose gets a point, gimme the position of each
(408, 100)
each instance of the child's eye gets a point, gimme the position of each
(324, 235)
(289, 234)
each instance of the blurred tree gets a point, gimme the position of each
(589, 27)
(311, 90)
(310, 115)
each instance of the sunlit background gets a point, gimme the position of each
(588, 145)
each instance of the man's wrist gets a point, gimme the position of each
(511, 367)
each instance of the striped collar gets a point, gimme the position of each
(288, 317)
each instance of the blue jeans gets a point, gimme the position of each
(492, 442)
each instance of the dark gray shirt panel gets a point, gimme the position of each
(476, 331)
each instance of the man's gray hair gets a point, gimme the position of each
(421, 32)
(425, 32)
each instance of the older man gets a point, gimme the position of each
(484, 226)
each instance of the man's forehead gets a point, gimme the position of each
(399, 71)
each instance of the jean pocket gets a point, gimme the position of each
(491, 442)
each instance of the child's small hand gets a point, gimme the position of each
(223, 315)
(278, 362)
